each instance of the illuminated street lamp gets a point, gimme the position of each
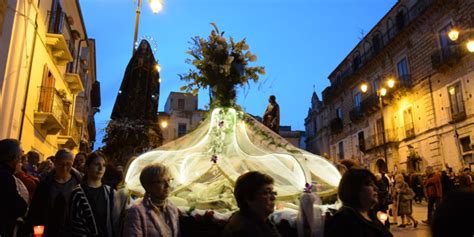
(155, 5)
(454, 36)
(380, 94)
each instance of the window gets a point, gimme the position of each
(315, 125)
(444, 40)
(339, 112)
(376, 42)
(56, 18)
(181, 104)
(380, 132)
(181, 129)
(356, 61)
(341, 150)
(361, 139)
(400, 20)
(456, 102)
(465, 143)
(402, 69)
(408, 122)
(357, 101)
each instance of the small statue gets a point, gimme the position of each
(271, 117)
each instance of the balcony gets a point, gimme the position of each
(376, 140)
(370, 104)
(74, 83)
(404, 82)
(50, 114)
(70, 137)
(58, 38)
(458, 117)
(356, 115)
(336, 125)
(446, 57)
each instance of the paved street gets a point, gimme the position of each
(419, 213)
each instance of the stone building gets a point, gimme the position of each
(48, 88)
(181, 115)
(428, 108)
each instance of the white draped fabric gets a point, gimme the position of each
(239, 144)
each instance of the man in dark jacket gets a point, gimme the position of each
(256, 200)
(12, 205)
(50, 203)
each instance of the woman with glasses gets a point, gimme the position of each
(93, 210)
(357, 217)
(256, 200)
(154, 215)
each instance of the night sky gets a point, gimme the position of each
(299, 42)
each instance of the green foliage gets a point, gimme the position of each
(125, 138)
(220, 66)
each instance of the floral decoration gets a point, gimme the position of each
(221, 65)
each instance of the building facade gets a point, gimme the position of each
(428, 111)
(181, 116)
(49, 91)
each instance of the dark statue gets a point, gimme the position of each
(139, 93)
(271, 117)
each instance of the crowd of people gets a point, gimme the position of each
(68, 195)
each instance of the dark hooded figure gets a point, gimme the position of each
(139, 92)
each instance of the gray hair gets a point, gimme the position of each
(150, 172)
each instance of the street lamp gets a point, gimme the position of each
(453, 35)
(380, 94)
(155, 5)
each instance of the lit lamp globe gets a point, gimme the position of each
(470, 46)
(363, 87)
(155, 5)
(453, 34)
(391, 83)
(383, 91)
(164, 124)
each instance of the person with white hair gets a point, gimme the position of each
(155, 215)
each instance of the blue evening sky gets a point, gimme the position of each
(299, 42)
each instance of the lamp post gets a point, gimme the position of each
(453, 35)
(155, 5)
(380, 94)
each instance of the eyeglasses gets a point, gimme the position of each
(268, 193)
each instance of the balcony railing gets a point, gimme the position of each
(376, 140)
(404, 81)
(370, 104)
(446, 57)
(356, 114)
(70, 136)
(50, 114)
(336, 125)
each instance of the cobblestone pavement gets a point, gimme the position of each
(423, 230)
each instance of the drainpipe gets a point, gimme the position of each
(30, 66)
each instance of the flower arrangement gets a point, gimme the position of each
(221, 65)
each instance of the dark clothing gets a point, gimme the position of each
(244, 223)
(433, 204)
(97, 201)
(93, 211)
(50, 204)
(12, 205)
(348, 222)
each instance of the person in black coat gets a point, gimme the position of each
(12, 205)
(50, 203)
(356, 218)
(256, 200)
